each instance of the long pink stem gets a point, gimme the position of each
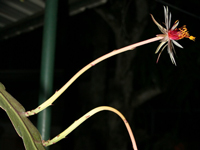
(84, 69)
(121, 50)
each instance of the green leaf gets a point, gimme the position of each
(25, 129)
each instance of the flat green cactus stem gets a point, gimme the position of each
(23, 126)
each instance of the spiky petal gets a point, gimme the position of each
(170, 35)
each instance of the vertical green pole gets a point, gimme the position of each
(47, 65)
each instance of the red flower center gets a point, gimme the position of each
(180, 33)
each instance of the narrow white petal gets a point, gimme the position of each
(173, 49)
(166, 16)
(163, 30)
(159, 46)
(165, 12)
(172, 58)
(161, 52)
(164, 47)
(171, 55)
(169, 21)
(175, 25)
(177, 44)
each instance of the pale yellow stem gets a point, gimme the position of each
(115, 52)
(84, 118)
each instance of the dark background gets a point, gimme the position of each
(160, 101)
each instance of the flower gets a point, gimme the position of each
(171, 35)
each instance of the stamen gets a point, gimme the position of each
(183, 33)
(192, 38)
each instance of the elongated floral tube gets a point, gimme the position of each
(84, 69)
(84, 118)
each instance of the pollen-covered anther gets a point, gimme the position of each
(192, 38)
(185, 34)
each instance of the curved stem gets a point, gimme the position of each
(84, 118)
(115, 52)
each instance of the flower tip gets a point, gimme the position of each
(192, 38)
